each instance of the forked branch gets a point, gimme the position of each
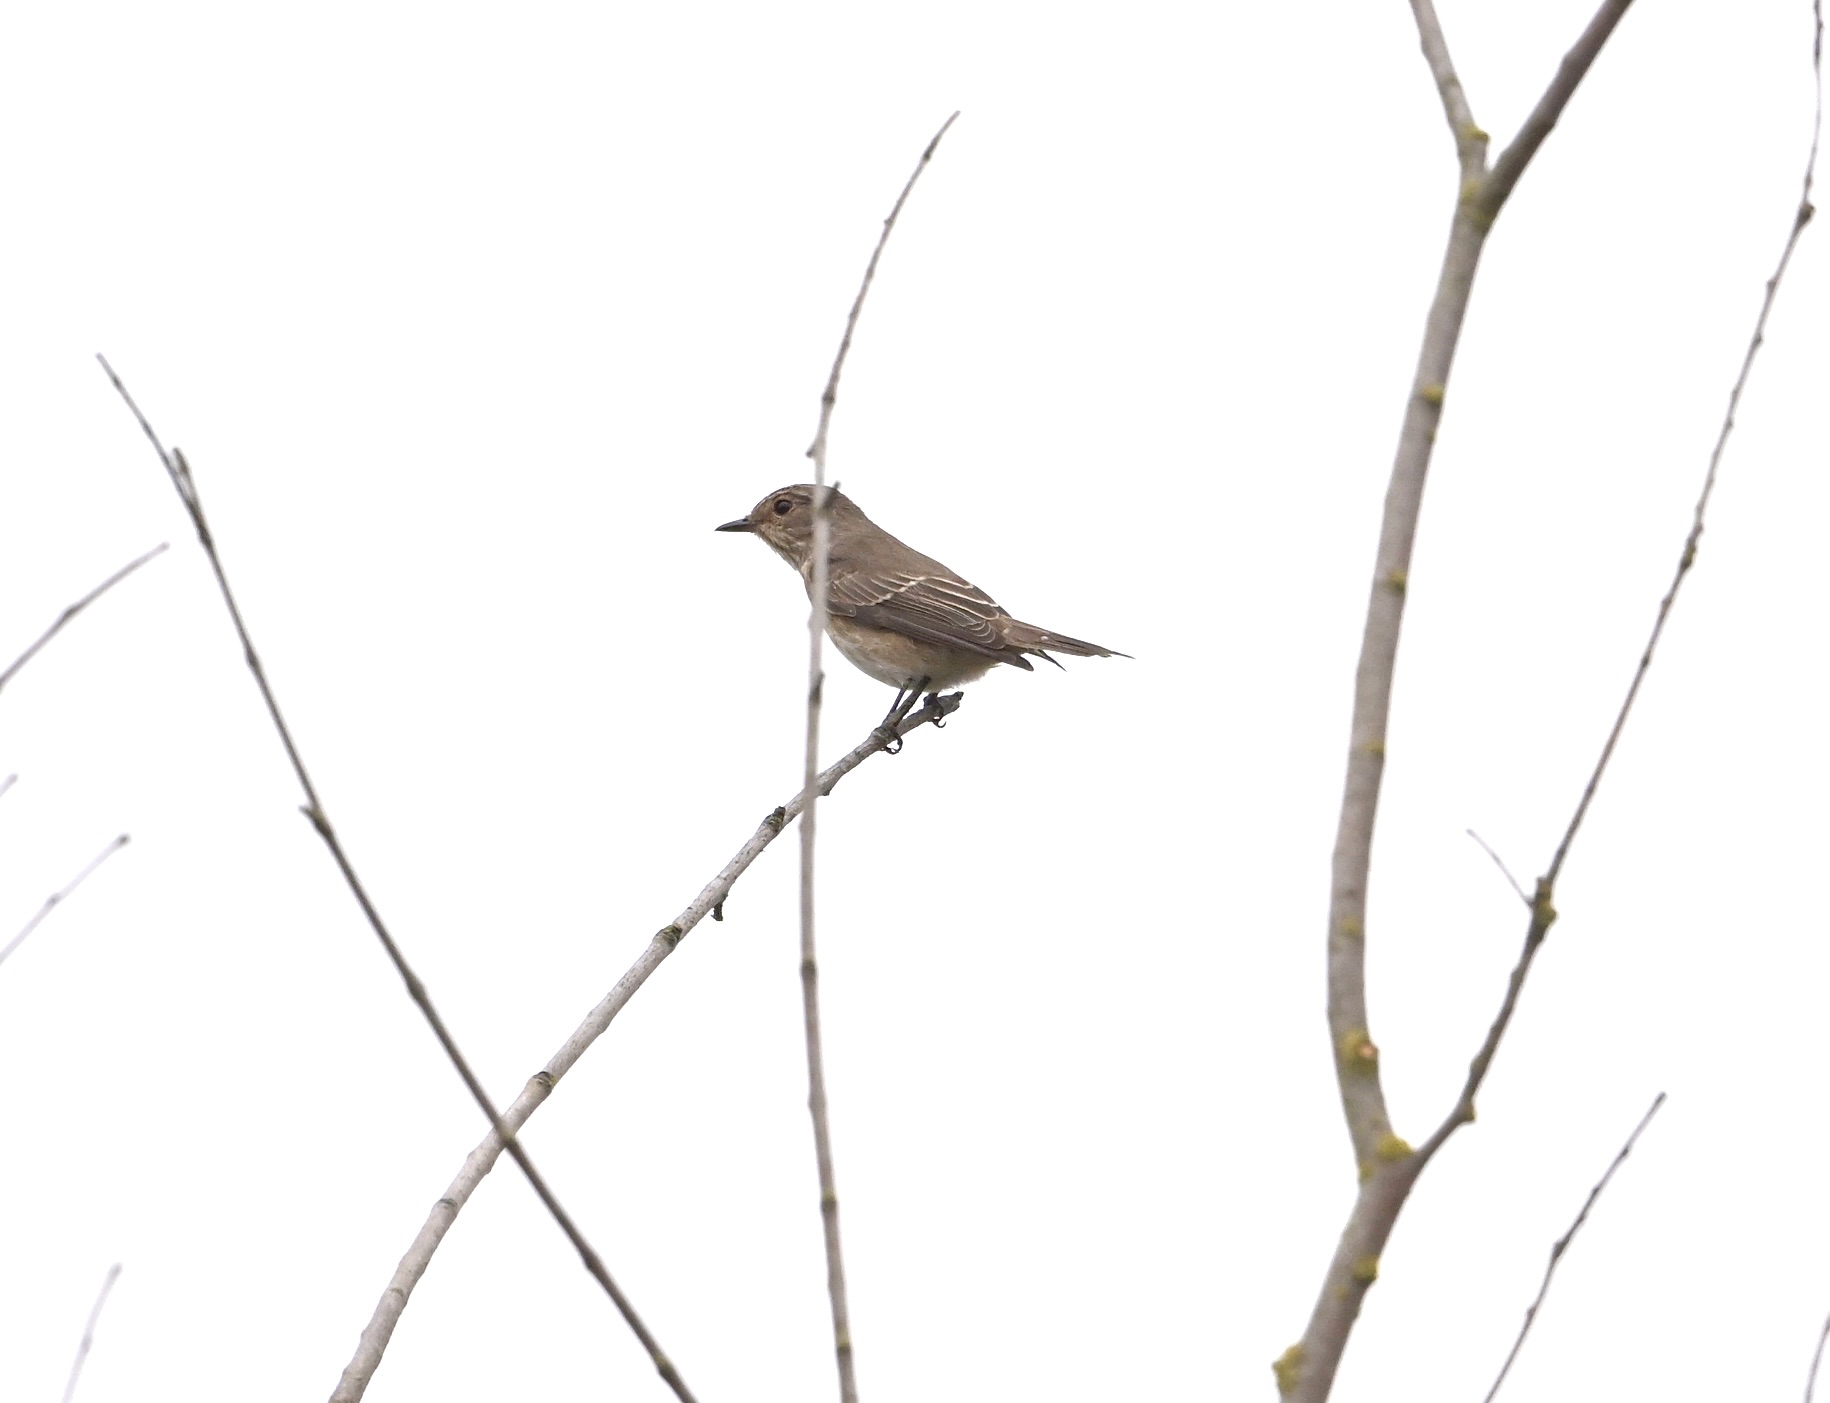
(1388, 1166)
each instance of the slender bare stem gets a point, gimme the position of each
(1817, 1359)
(817, 449)
(178, 470)
(8, 783)
(95, 1314)
(1470, 140)
(1543, 907)
(70, 613)
(1562, 1244)
(482, 1159)
(1687, 556)
(1386, 1165)
(51, 902)
(1500, 863)
(810, 967)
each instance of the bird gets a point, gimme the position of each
(897, 615)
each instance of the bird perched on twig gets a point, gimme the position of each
(897, 615)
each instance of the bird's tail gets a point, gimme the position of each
(1040, 642)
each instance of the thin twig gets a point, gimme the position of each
(1562, 1243)
(810, 968)
(95, 1314)
(1543, 906)
(1687, 556)
(70, 613)
(8, 783)
(817, 449)
(481, 1160)
(180, 474)
(1500, 863)
(51, 901)
(1817, 1358)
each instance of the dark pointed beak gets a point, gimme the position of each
(741, 524)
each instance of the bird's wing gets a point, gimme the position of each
(937, 608)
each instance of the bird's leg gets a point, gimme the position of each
(906, 697)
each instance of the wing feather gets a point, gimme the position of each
(934, 607)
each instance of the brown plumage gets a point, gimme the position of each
(898, 615)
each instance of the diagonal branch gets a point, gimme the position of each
(1817, 1359)
(1544, 911)
(1687, 556)
(1470, 140)
(70, 613)
(482, 1159)
(178, 470)
(1576, 64)
(1562, 1244)
(88, 1340)
(61, 894)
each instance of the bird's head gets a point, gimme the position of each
(784, 519)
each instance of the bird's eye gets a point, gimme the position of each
(783, 505)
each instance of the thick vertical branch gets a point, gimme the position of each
(1386, 1165)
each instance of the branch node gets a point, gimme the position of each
(1543, 912)
(1287, 1369)
(1358, 1052)
(1392, 1148)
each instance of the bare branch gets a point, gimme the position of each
(1817, 1358)
(1576, 64)
(1499, 862)
(1562, 1243)
(1470, 140)
(482, 1159)
(95, 1314)
(70, 613)
(810, 968)
(178, 470)
(1543, 907)
(817, 449)
(1386, 1165)
(51, 901)
(1687, 556)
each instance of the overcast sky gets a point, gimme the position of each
(475, 323)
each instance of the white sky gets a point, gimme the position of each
(475, 324)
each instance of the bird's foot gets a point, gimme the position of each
(890, 729)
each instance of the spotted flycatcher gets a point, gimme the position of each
(904, 619)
